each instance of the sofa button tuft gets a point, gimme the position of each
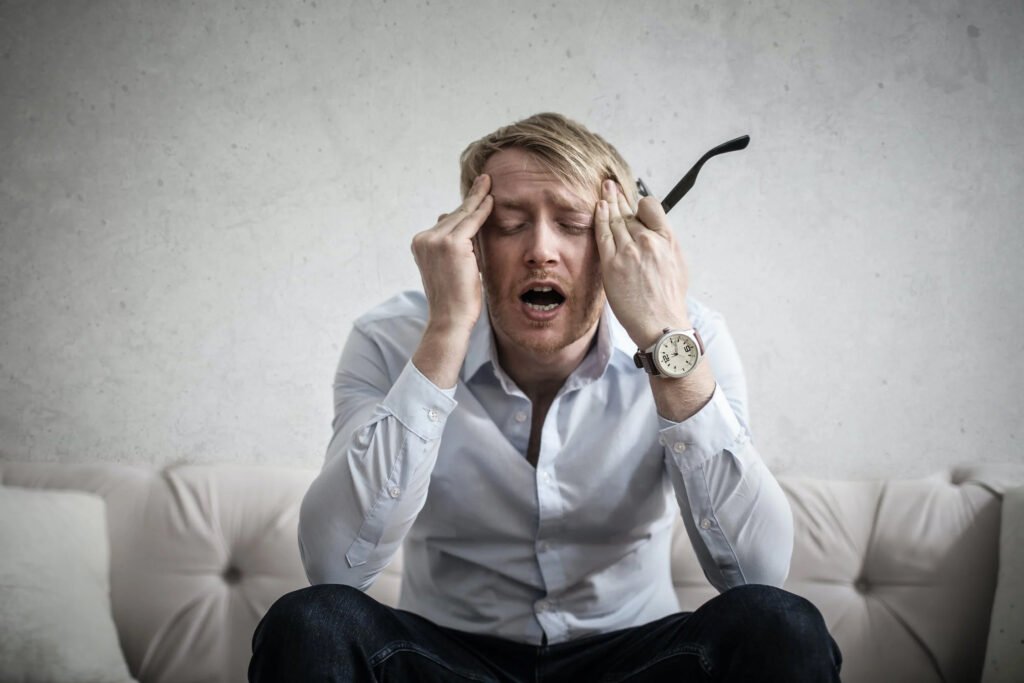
(232, 575)
(861, 585)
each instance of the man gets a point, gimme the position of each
(506, 438)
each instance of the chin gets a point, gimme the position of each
(542, 338)
(543, 344)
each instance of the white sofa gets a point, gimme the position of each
(905, 571)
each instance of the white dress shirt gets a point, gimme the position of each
(576, 546)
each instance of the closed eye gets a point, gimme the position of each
(571, 228)
(576, 228)
(508, 228)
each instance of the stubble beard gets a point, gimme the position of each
(583, 307)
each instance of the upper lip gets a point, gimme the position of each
(534, 284)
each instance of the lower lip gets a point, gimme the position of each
(540, 316)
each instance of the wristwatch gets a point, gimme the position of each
(675, 354)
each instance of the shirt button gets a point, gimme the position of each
(394, 492)
(433, 415)
(661, 441)
(705, 523)
(521, 416)
(679, 446)
(545, 476)
(542, 546)
(543, 606)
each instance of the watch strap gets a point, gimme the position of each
(645, 361)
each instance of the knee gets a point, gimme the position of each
(772, 634)
(302, 632)
(773, 607)
(775, 615)
(309, 610)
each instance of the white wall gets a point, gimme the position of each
(196, 199)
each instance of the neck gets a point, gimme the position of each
(541, 374)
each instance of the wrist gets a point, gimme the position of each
(646, 337)
(441, 352)
(681, 398)
(451, 328)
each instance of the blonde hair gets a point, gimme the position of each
(566, 148)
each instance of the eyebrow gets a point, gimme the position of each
(559, 201)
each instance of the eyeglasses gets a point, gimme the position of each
(684, 185)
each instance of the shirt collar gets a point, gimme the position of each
(611, 337)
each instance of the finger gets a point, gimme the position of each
(650, 213)
(470, 225)
(616, 222)
(442, 217)
(603, 232)
(633, 224)
(477, 192)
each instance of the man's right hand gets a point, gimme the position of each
(451, 281)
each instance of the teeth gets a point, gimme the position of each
(542, 289)
(549, 307)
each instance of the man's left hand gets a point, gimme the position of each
(645, 274)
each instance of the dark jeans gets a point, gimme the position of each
(337, 633)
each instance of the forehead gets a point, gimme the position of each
(518, 178)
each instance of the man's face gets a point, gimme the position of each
(540, 235)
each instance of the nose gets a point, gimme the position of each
(542, 245)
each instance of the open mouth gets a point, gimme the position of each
(542, 298)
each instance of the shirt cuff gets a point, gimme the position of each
(711, 430)
(419, 404)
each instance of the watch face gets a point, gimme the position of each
(676, 355)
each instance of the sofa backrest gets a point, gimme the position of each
(903, 571)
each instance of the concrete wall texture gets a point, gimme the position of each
(197, 198)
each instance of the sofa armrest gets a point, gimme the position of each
(1004, 655)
